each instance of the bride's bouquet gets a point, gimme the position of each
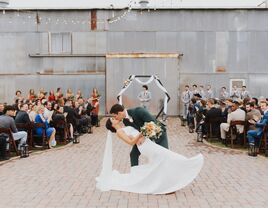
(151, 130)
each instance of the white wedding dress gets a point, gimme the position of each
(165, 172)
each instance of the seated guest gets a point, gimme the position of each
(2, 107)
(213, 113)
(84, 119)
(59, 116)
(22, 115)
(3, 147)
(72, 116)
(6, 121)
(253, 115)
(48, 111)
(229, 103)
(32, 112)
(50, 132)
(235, 115)
(255, 135)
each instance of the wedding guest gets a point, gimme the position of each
(78, 94)
(254, 136)
(209, 92)
(236, 115)
(186, 98)
(22, 115)
(213, 113)
(195, 91)
(69, 94)
(235, 94)
(32, 112)
(42, 94)
(202, 92)
(50, 132)
(31, 96)
(18, 95)
(145, 97)
(95, 98)
(224, 94)
(51, 97)
(244, 93)
(253, 115)
(59, 97)
(224, 111)
(2, 107)
(48, 111)
(7, 121)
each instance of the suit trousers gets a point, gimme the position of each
(224, 129)
(253, 137)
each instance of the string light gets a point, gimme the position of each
(47, 20)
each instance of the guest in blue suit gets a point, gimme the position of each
(254, 136)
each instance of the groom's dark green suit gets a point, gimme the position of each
(140, 116)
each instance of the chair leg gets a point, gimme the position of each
(265, 146)
(13, 143)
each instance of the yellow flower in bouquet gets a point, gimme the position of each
(151, 130)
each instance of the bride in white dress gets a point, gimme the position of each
(165, 172)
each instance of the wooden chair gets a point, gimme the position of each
(212, 122)
(263, 142)
(28, 127)
(43, 136)
(11, 141)
(62, 130)
(233, 131)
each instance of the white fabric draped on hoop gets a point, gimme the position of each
(153, 77)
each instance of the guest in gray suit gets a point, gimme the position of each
(145, 97)
(244, 93)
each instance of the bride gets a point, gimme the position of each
(165, 172)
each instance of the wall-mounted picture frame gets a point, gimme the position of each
(238, 83)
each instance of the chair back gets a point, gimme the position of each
(5, 131)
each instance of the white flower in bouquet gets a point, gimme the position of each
(151, 130)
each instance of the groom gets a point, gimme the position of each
(136, 117)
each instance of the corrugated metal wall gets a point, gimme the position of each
(234, 39)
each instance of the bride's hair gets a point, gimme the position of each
(109, 126)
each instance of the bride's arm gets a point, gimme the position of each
(130, 140)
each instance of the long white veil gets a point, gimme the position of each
(107, 165)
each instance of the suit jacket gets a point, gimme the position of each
(236, 115)
(22, 117)
(261, 123)
(213, 113)
(140, 116)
